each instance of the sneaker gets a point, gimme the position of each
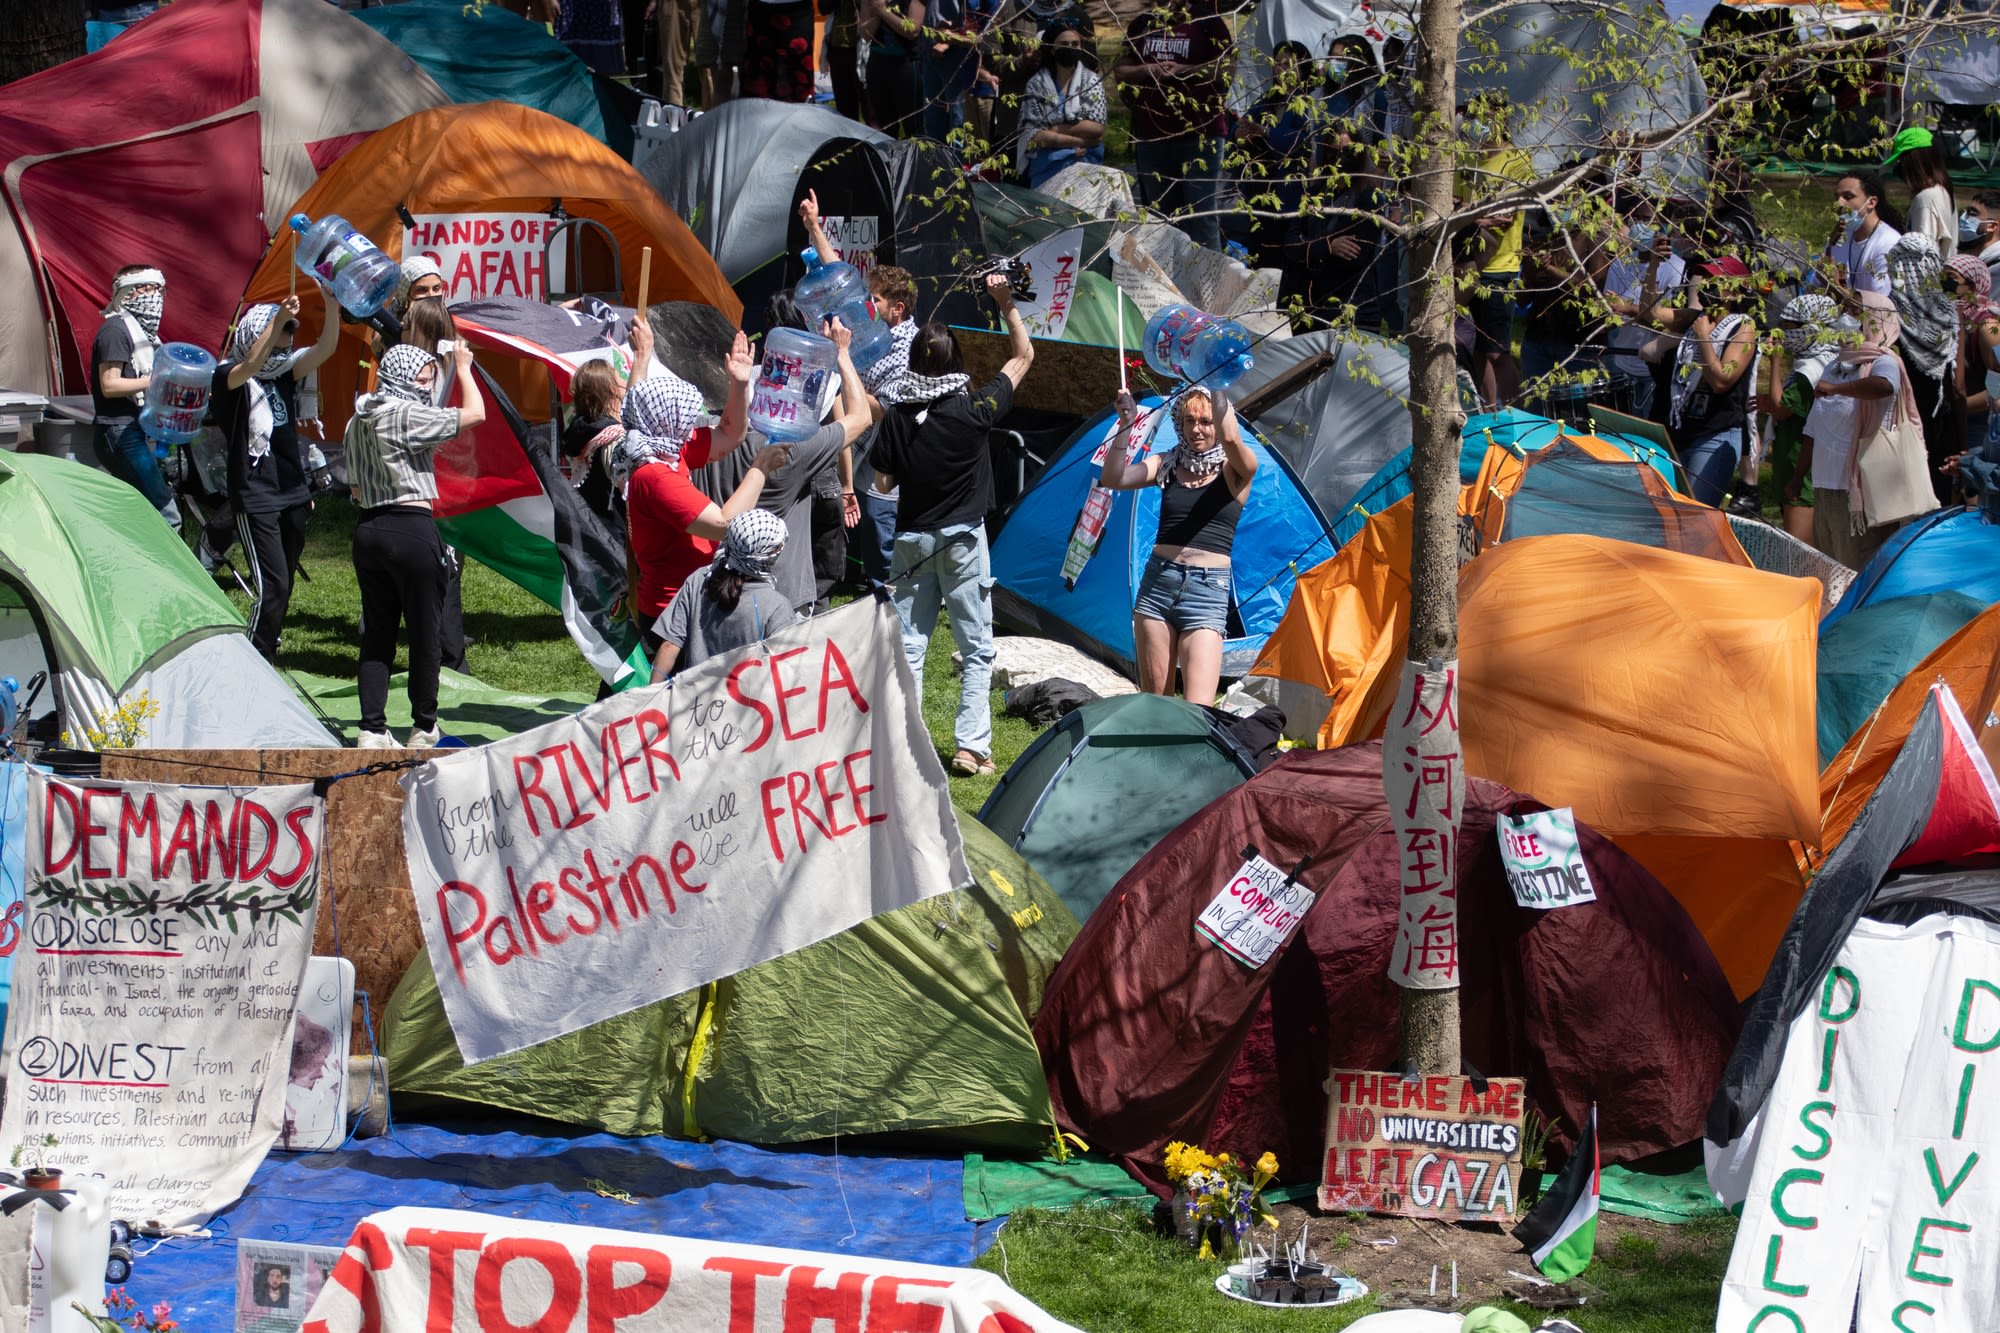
(422, 740)
(375, 740)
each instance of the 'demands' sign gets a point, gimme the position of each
(151, 1022)
(668, 837)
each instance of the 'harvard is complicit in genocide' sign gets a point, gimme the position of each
(668, 837)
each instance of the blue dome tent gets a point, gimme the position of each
(1948, 550)
(1281, 533)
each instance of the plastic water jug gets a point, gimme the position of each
(1192, 345)
(358, 274)
(784, 402)
(10, 708)
(178, 398)
(828, 287)
(872, 338)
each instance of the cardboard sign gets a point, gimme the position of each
(1255, 913)
(1423, 775)
(1543, 859)
(431, 1270)
(1432, 1147)
(277, 1283)
(1054, 264)
(167, 932)
(855, 240)
(490, 254)
(668, 837)
(1876, 1169)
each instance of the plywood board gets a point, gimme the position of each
(366, 875)
(1077, 379)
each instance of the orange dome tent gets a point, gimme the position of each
(495, 158)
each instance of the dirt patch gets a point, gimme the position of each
(1357, 1244)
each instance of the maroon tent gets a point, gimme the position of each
(1150, 1034)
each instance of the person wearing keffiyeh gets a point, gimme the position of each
(121, 370)
(1808, 344)
(1929, 348)
(255, 400)
(732, 603)
(1866, 386)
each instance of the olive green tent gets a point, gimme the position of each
(913, 1023)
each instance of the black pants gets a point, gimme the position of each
(451, 614)
(892, 94)
(829, 534)
(1942, 435)
(272, 544)
(399, 561)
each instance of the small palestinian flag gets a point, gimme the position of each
(1561, 1231)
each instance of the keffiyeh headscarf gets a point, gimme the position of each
(1814, 345)
(1930, 318)
(1974, 273)
(396, 373)
(752, 544)
(1687, 363)
(263, 419)
(1187, 459)
(415, 267)
(145, 308)
(661, 411)
(910, 387)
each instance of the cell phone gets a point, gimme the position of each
(446, 347)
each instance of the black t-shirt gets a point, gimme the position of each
(279, 480)
(113, 346)
(942, 462)
(596, 489)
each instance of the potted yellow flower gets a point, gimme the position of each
(1216, 1199)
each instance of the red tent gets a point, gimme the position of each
(1149, 1034)
(182, 144)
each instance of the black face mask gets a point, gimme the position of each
(1067, 56)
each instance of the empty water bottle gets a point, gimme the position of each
(177, 399)
(784, 402)
(828, 287)
(1189, 344)
(358, 274)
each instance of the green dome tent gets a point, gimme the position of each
(1866, 653)
(101, 594)
(1097, 790)
(913, 1023)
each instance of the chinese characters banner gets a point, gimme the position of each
(1424, 779)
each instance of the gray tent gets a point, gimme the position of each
(730, 174)
(1345, 421)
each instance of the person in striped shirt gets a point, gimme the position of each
(399, 559)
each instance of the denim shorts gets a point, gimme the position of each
(1185, 597)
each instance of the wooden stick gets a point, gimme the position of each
(645, 277)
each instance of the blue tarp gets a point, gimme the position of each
(1509, 428)
(1952, 550)
(891, 1207)
(1280, 534)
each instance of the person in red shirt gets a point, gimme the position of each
(672, 527)
(1172, 70)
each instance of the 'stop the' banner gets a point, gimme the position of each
(668, 837)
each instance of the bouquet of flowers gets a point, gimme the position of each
(1216, 1199)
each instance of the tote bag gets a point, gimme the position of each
(1895, 473)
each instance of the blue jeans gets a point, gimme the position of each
(947, 79)
(1710, 463)
(875, 534)
(128, 455)
(950, 568)
(1184, 175)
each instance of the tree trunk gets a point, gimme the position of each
(1430, 1022)
(38, 34)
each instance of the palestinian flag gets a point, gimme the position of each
(502, 501)
(1561, 1231)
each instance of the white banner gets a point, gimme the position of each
(490, 254)
(1875, 1174)
(1257, 911)
(432, 1270)
(150, 1027)
(668, 837)
(1053, 268)
(1423, 777)
(1543, 860)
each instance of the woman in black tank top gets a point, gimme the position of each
(1182, 610)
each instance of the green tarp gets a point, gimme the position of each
(913, 1023)
(467, 707)
(1866, 653)
(484, 53)
(74, 536)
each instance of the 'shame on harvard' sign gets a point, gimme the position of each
(668, 837)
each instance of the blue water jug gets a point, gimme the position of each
(784, 402)
(10, 690)
(1184, 343)
(872, 338)
(358, 274)
(828, 287)
(177, 399)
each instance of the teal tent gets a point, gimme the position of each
(1867, 653)
(1100, 788)
(483, 53)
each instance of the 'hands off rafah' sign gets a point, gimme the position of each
(668, 837)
